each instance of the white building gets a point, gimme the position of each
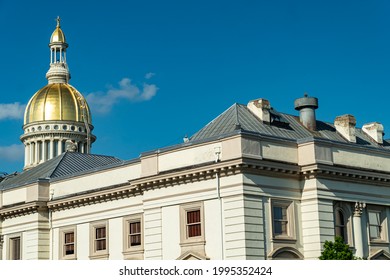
(252, 184)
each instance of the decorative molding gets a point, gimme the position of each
(274, 254)
(190, 255)
(358, 208)
(380, 254)
(342, 173)
(22, 209)
(200, 173)
(81, 199)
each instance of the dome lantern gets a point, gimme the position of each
(58, 71)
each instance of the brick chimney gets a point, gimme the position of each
(375, 131)
(261, 108)
(307, 111)
(345, 125)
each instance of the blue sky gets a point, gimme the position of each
(156, 71)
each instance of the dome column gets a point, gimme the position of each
(60, 146)
(51, 148)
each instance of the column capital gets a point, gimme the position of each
(358, 208)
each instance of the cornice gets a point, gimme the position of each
(271, 168)
(200, 173)
(189, 175)
(93, 197)
(22, 209)
(342, 173)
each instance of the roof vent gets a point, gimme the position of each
(261, 108)
(307, 115)
(375, 131)
(345, 125)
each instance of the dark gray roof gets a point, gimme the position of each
(66, 164)
(239, 119)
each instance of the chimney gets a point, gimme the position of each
(307, 115)
(345, 125)
(375, 131)
(260, 107)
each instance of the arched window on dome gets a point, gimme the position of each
(40, 151)
(63, 149)
(55, 148)
(32, 149)
(47, 155)
(80, 147)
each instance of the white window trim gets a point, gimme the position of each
(291, 228)
(184, 239)
(62, 233)
(346, 210)
(13, 236)
(384, 238)
(101, 254)
(132, 252)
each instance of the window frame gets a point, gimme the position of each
(63, 232)
(383, 234)
(133, 251)
(340, 226)
(11, 238)
(94, 253)
(184, 238)
(290, 234)
(346, 210)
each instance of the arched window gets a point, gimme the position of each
(343, 221)
(340, 225)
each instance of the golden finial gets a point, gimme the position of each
(58, 21)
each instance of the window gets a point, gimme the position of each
(47, 143)
(133, 237)
(55, 148)
(135, 233)
(63, 146)
(282, 219)
(192, 223)
(376, 224)
(40, 151)
(15, 248)
(342, 216)
(340, 225)
(99, 240)
(68, 243)
(192, 228)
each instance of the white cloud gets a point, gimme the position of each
(102, 102)
(149, 75)
(12, 111)
(14, 152)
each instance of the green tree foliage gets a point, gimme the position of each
(336, 250)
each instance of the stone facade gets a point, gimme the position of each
(238, 195)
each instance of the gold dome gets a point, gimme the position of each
(56, 102)
(57, 36)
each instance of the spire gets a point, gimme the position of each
(58, 72)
